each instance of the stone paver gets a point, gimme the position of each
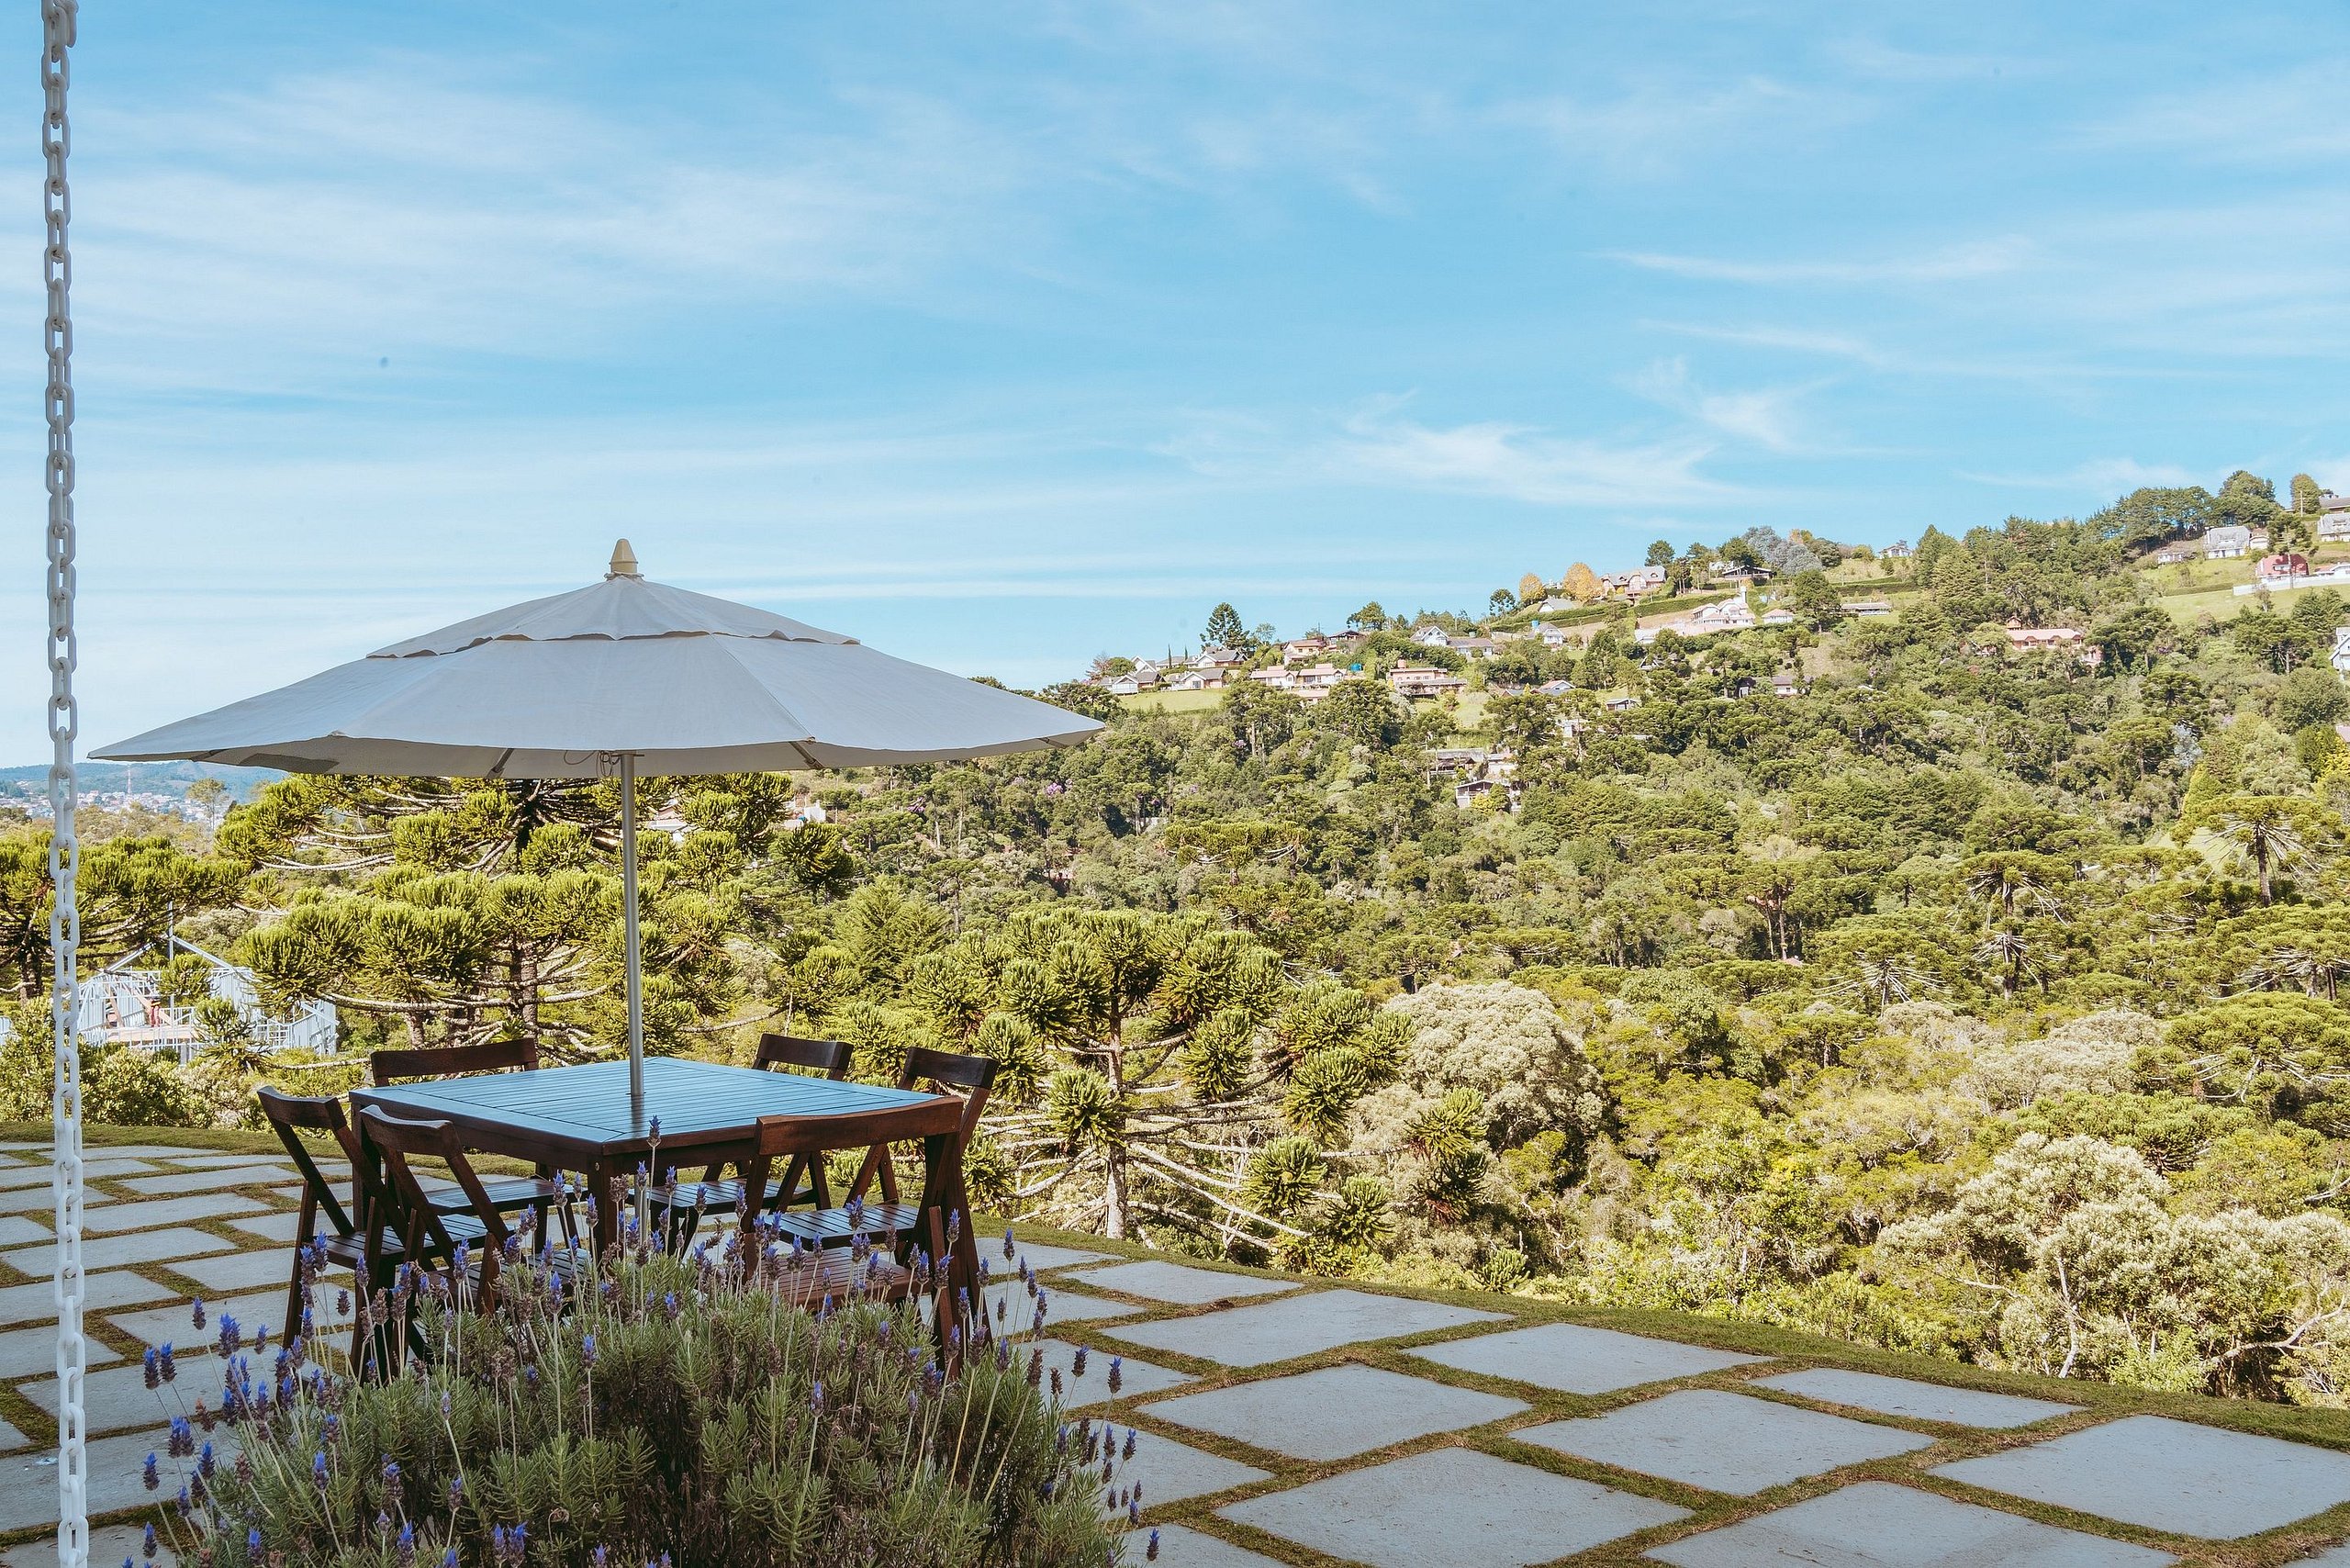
(1136, 1379)
(1169, 1472)
(205, 1180)
(252, 1312)
(2169, 1475)
(117, 1398)
(104, 1167)
(108, 1544)
(1454, 1508)
(186, 1161)
(29, 1486)
(23, 1176)
(1573, 1358)
(33, 1197)
(1180, 1547)
(1044, 1255)
(1297, 1325)
(38, 1301)
(1060, 1305)
(271, 1228)
(1723, 1443)
(1919, 1401)
(117, 1252)
(1178, 1283)
(32, 1351)
(11, 1439)
(1878, 1525)
(17, 1230)
(1335, 1413)
(241, 1271)
(101, 1219)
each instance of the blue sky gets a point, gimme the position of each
(999, 336)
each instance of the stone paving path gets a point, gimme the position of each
(1285, 1422)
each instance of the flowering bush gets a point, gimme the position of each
(665, 1411)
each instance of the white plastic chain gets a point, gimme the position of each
(58, 18)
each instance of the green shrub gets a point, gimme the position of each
(665, 1412)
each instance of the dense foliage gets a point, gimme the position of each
(1975, 999)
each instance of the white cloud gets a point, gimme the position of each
(2292, 118)
(1886, 62)
(2102, 477)
(1519, 462)
(1986, 258)
(1654, 127)
(1764, 416)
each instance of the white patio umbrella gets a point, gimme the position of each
(624, 677)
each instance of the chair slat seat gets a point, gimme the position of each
(831, 1228)
(814, 1276)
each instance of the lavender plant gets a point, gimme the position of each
(652, 1410)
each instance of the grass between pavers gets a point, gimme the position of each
(1788, 1349)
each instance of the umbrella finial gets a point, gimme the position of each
(624, 561)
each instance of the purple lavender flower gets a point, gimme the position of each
(205, 1462)
(319, 1470)
(1150, 1553)
(261, 1339)
(149, 1365)
(1117, 1373)
(164, 1363)
(253, 1543)
(195, 1313)
(1076, 1362)
(449, 1558)
(406, 1545)
(147, 1543)
(150, 1477)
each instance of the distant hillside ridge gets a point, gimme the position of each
(170, 778)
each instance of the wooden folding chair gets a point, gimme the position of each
(683, 1201)
(431, 1230)
(939, 1219)
(370, 1257)
(543, 1192)
(970, 1078)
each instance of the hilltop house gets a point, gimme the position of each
(2037, 637)
(125, 1006)
(2342, 649)
(1278, 677)
(1868, 609)
(2230, 543)
(1776, 617)
(2172, 555)
(1472, 647)
(1134, 682)
(1310, 645)
(1428, 635)
(2334, 523)
(1199, 680)
(1731, 614)
(1317, 679)
(1787, 683)
(2284, 565)
(1412, 681)
(1899, 551)
(1219, 658)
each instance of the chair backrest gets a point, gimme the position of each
(969, 1077)
(830, 1058)
(291, 1114)
(937, 1122)
(399, 1141)
(448, 1061)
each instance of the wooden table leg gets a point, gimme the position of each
(603, 1181)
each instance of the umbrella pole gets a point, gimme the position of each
(635, 959)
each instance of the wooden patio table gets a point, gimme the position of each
(580, 1118)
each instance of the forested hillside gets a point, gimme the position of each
(1969, 999)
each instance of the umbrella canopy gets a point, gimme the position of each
(624, 677)
(557, 688)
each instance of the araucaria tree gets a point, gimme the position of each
(1147, 1063)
